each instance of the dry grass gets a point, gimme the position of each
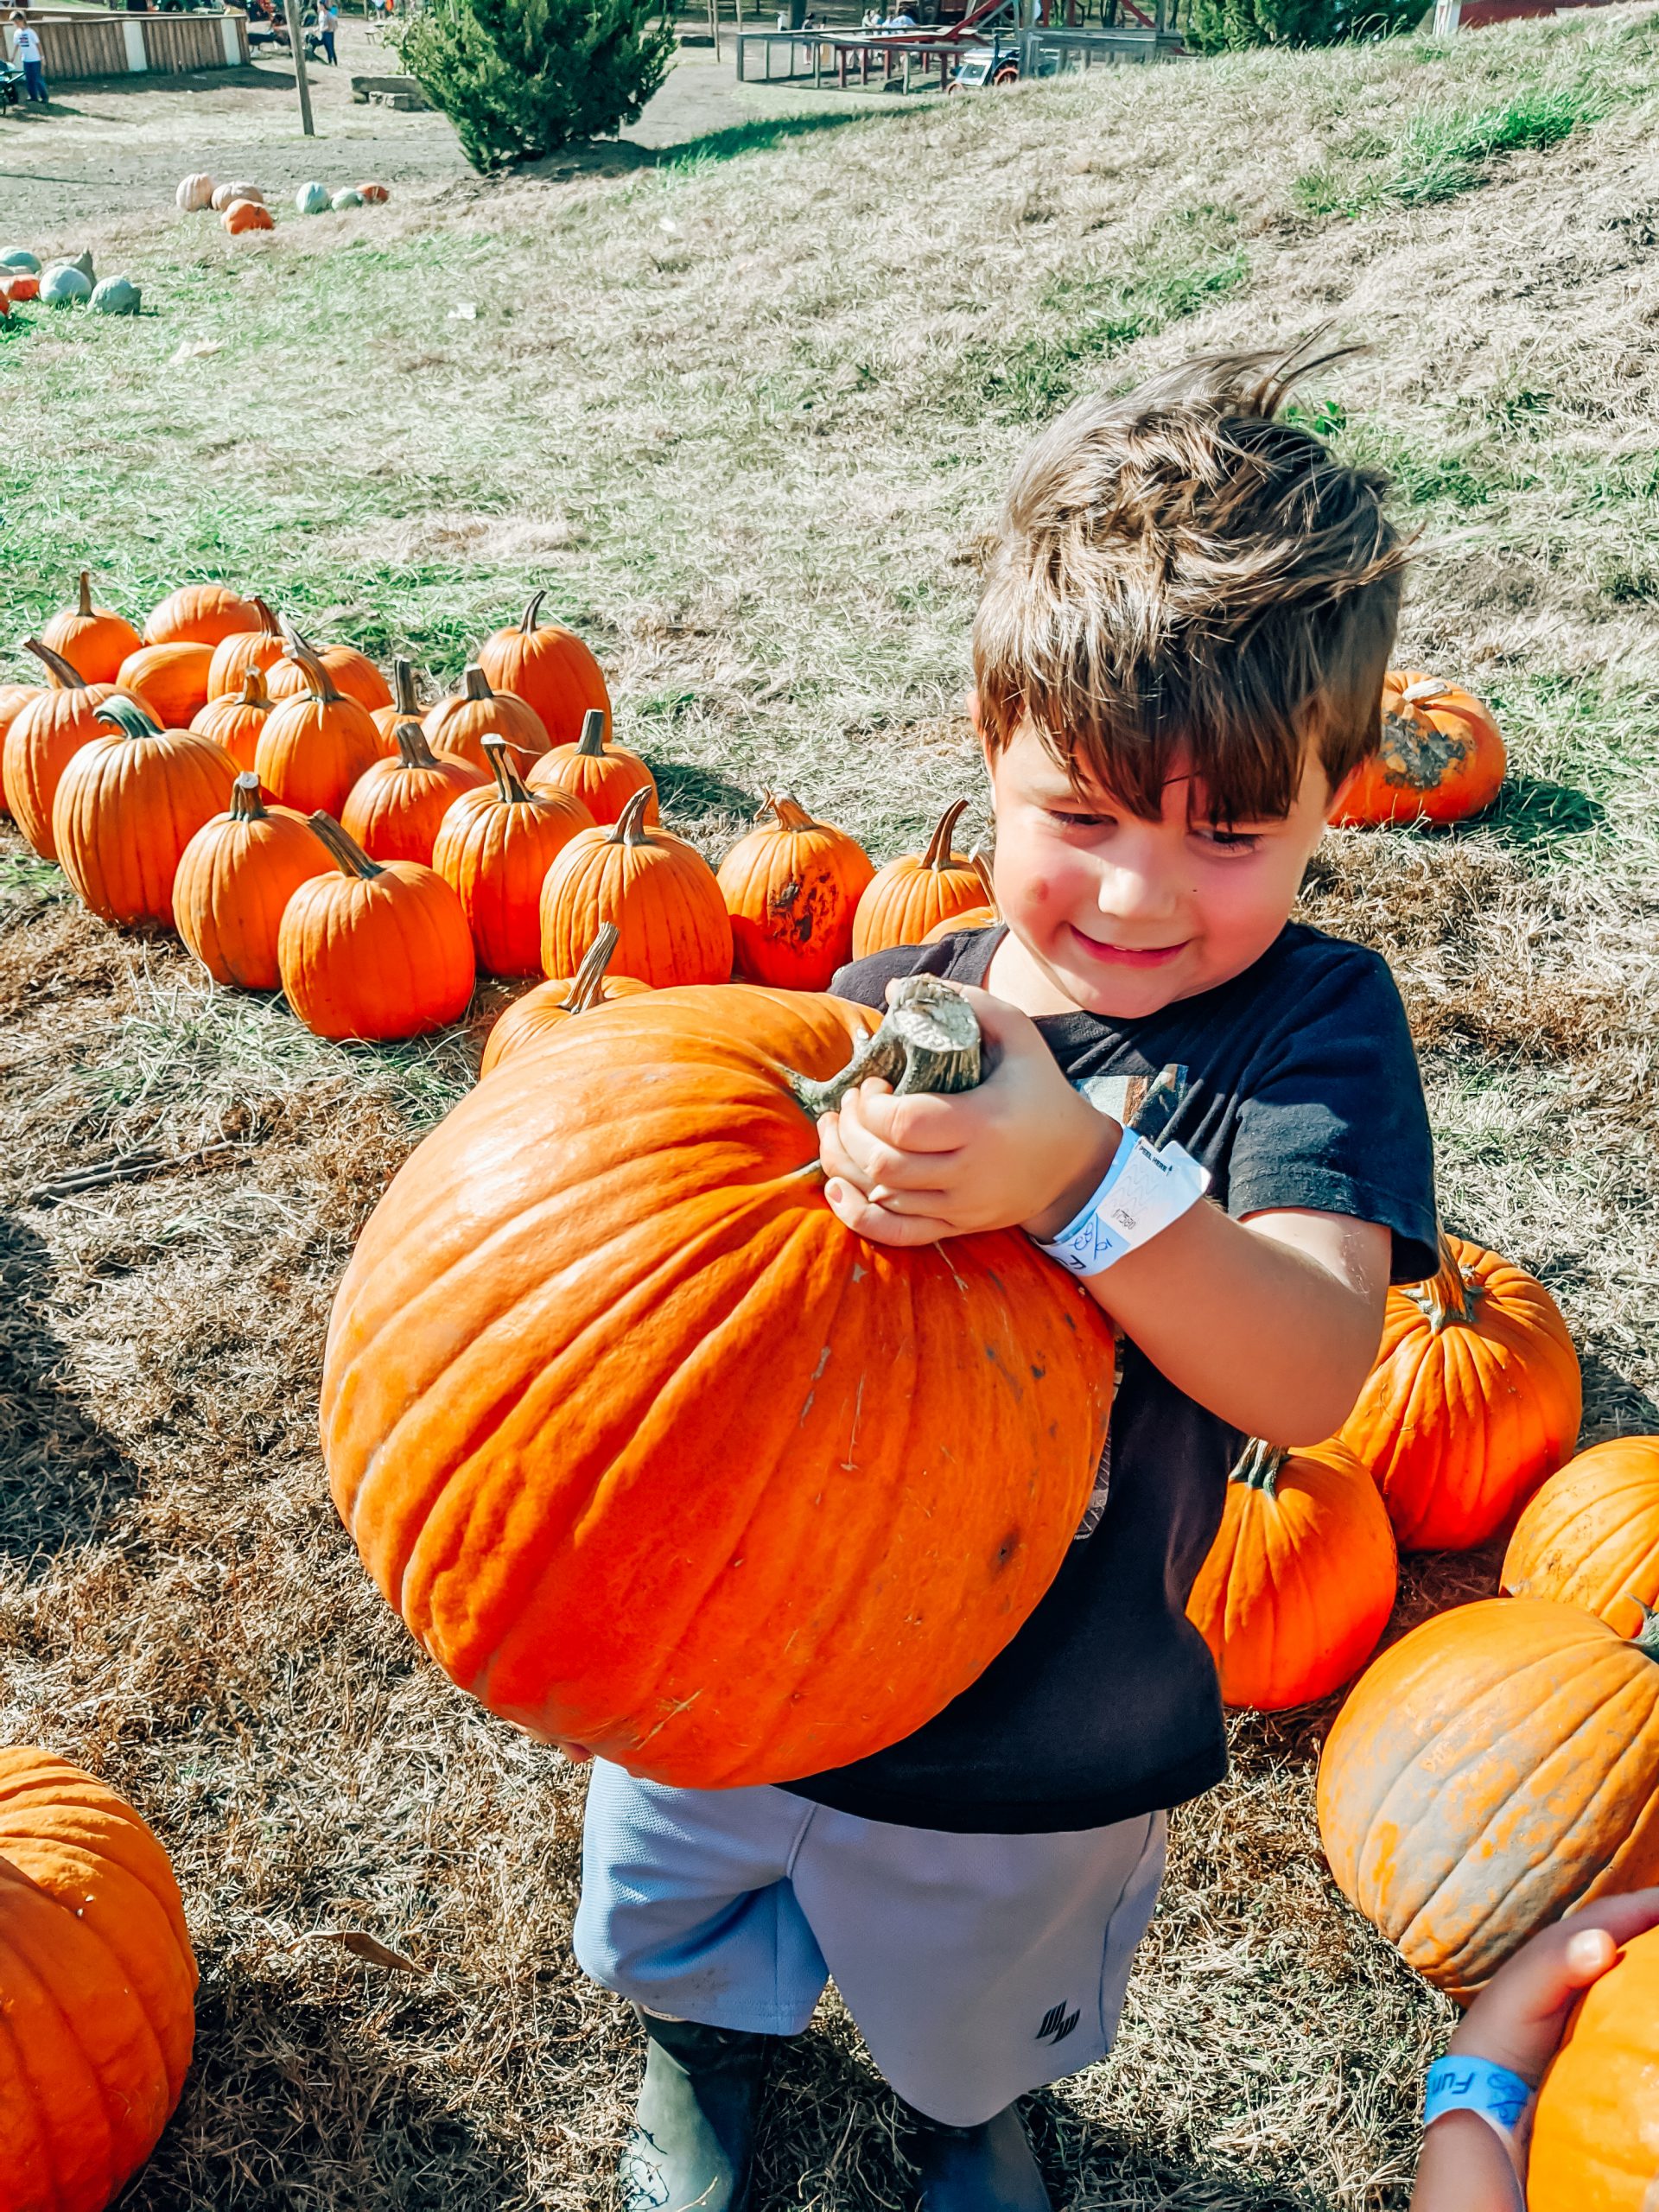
(748, 415)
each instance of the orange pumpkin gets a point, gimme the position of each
(374, 951)
(1591, 1536)
(791, 887)
(14, 698)
(316, 743)
(235, 877)
(396, 806)
(603, 1355)
(406, 707)
(247, 215)
(1492, 1769)
(94, 641)
(972, 918)
(44, 736)
(260, 647)
(1441, 757)
(353, 673)
(660, 893)
(170, 679)
(602, 775)
(98, 1986)
(236, 720)
(541, 1012)
(1299, 1582)
(550, 669)
(374, 194)
(1474, 1399)
(128, 803)
(201, 614)
(1595, 2132)
(459, 726)
(918, 891)
(494, 848)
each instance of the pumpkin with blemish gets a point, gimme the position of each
(791, 887)
(1441, 759)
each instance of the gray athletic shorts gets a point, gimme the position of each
(977, 1967)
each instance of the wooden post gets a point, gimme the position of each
(714, 25)
(296, 47)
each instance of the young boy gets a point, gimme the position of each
(1179, 657)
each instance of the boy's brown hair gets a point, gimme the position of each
(1185, 582)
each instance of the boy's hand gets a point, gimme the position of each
(1517, 2020)
(1022, 1150)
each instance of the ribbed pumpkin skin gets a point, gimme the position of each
(914, 893)
(1590, 1537)
(40, 743)
(311, 751)
(352, 672)
(541, 1013)
(1492, 1768)
(1299, 1582)
(1442, 759)
(97, 1987)
(201, 614)
(170, 679)
(659, 891)
(604, 778)
(126, 808)
(375, 960)
(1595, 2136)
(235, 720)
(1459, 1422)
(550, 669)
(975, 918)
(835, 1476)
(14, 698)
(459, 726)
(91, 638)
(791, 887)
(494, 851)
(234, 881)
(395, 811)
(260, 647)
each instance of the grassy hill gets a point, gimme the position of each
(746, 413)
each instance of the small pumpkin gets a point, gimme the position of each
(236, 720)
(316, 743)
(63, 285)
(1474, 1398)
(234, 881)
(542, 1011)
(91, 638)
(354, 673)
(1595, 2128)
(1300, 1580)
(201, 614)
(170, 678)
(972, 918)
(373, 195)
(1492, 1769)
(22, 260)
(550, 669)
(116, 296)
(261, 647)
(128, 803)
(1590, 1536)
(44, 736)
(659, 891)
(227, 196)
(374, 950)
(98, 1986)
(312, 198)
(405, 705)
(19, 288)
(912, 895)
(495, 847)
(247, 215)
(396, 806)
(345, 198)
(603, 775)
(791, 887)
(459, 726)
(1441, 759)
(195, 191)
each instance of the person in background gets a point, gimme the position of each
(26, 50)
(327, 24)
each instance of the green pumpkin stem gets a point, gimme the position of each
(939, 855)
(588, 980)
(1258, 1466)
(1449, 1297)
(413, 750)
(343, 849)
(928, 1041)
(591, 743)
(63, 673)
(127, 716)
(533, 612)
(306, 657)
(247, 802)
(403, 688)
(629, 823)
(514, 790)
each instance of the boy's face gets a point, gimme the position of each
(1120, 917)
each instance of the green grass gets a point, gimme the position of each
(1440, 153)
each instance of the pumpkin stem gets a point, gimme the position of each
(527, 625)
(413, 750)
(474, 684)
(268, 622)
(343, 849)
(587, 982)
(253, 688)
(629, 823)
(514, 790)
(591, 743)
(978, 860)
(1429, 687)
(403, 688)
(790, 814)
(62, 674)
(939, 855)
(304, 654)
(1258, 1466)
(928, 1041)
(1448, 1297)
(85, 609)
(246, 803)
(1647, 1637)
(129, 717)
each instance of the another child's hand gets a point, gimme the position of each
(1517, 2020)
(1023, 1149)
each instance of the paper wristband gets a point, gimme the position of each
(1144, 1191)
(1502, 2100)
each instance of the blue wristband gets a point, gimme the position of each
(1502, 2100)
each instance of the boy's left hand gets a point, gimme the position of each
(1022, 1150)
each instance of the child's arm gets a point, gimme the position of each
(1273, 1324)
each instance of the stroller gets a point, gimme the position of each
(11, 81)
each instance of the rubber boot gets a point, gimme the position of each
(984, 2169)
(691, 2145)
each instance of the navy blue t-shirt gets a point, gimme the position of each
(1296, 1085)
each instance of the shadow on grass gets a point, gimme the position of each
(1530, 810)
(759, 138)
(1613, 1404)
(689, 789)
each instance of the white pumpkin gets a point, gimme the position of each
(312, 198)
(196, 191)
(346, 198)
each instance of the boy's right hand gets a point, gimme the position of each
(1518, 2019)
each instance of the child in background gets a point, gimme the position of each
(327, 25)
(26, 50)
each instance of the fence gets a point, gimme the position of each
(81, 46)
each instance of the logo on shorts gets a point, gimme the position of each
(1058, 2024)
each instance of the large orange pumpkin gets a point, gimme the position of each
(236, 720)
(201, 614)
(1591, 1536)
(171, 679)
(912, 895)
(1595, 2132)
(247, 215)
(353, 673)
(603, 775)
(541, 1012)
(494, 848)
(604, 1355)
(459, 726)
(316, 743)
(1442, 759)
(550, 669)
(660, 893)
(791, 887)
(374, 951)
(97, 1988)
(1474, 1399)
(397, 807)
(43, 737)
(128, 803)
(1496, 1767)
(1299, 1582)
(234, 879)
(259, 648)
(94, 641)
